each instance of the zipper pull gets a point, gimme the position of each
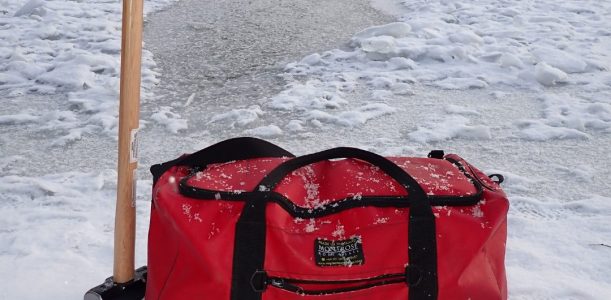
(285, 285)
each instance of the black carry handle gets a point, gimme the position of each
(274, 177)
(250, 236)
(225, 151)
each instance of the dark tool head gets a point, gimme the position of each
(109, 290)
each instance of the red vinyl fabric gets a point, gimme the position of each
(349, 250)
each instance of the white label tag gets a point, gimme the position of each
(133, 146)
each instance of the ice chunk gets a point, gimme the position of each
(401, 63)
(466, 37)
(240, 116)
(11, 77)
(548, 75)
(169, 119)
(365, 113)
(27, 69)
(396, 30)
(379, 44)
(450, 127)
(354, 117)
(381, 82)
(539, 131)
(29, 7)
(294, 126)
(73, 76)
(265, 131)
(18, 119)
(562, 60)
(401, 88)
(452, 83)
(510, 60)
(314, 94)
(312, 59)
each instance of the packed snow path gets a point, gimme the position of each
(518, 88)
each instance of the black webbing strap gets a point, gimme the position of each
(249, 252)
(422, 241)
(249, 248)
(225, 151)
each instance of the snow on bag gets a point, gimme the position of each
(245, 220)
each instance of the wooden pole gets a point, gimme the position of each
(125, 215)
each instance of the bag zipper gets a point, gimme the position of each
(470, 173)
(299, 286)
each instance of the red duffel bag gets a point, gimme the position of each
(245, 220)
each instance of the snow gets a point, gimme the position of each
(353, 117)
(306, 96)
(395, 30)
(17, 119)
(379, 44)
(449, 128)
(538, 131)
(548, 75)
(457, 83)
(65, 217)
(295, 126)
(472, 45)
(565, 116)
(520, 88)
(56, 230)
(548, 255)
(169, 119)
(239, 117)
(29, 8)
(265, 131)
(562, 60)
(70, 47)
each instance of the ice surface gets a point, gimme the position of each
(460, 110)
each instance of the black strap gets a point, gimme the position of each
(225, 151)
(249, 248)
(274, 177)
(296, 211)
(498, 178)
(249, 252)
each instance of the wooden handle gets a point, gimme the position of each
(129, 110)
